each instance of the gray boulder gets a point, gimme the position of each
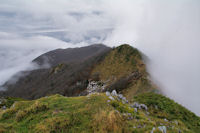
(135, 110)
(163, 129)
(143, 106)
(120, 96)
(153, 129)
(135, 105)
(4, 107)
(114, 93)
(111, 98)
(107, 93)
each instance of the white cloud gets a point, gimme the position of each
(166, 31)
(17, 52)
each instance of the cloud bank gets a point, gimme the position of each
(166, 31)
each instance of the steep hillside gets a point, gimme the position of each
(72, 70)
(124, 70)
(68, 78)
(98, 113)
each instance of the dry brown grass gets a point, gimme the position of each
(107, 122)
(35, 108)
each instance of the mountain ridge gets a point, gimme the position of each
(107, 92)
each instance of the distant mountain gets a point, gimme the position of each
(70, 55)
(102, 89)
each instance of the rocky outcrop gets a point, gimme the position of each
(95, 86)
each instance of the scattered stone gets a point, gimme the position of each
(134, 126)
(139, 106)
(114, 93)
(126, 101)
(124, 98)
(129, 114)
(156, 107)
(152, 131)
(4, 107)
(120, 96)
(139, 126)
(107, 93)
(165, 120)
(135, 105)
(111, 98)
(163, 129)
(143, 106)
(147, 113)
(108, 101)
(135, 110)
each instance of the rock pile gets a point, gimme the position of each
(136, 105)
(95, 86)
(113, 95)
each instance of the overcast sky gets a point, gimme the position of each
(167, 31)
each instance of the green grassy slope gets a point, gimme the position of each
(167, 108)
(90, 114)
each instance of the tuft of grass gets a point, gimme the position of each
(8, 113)
(113, 119)
(35, 108)
(55, 124)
